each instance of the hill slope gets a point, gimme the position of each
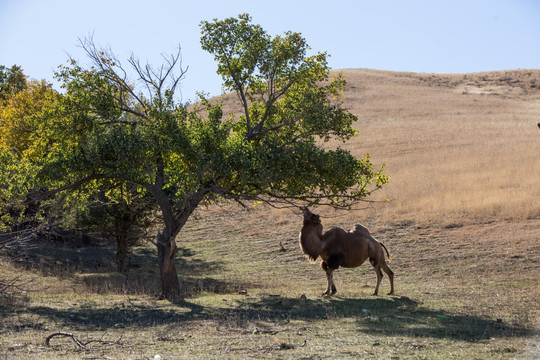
(459, 148)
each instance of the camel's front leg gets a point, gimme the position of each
(331, 287)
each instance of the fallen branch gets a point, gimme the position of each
(5, 285)
(75, 340)
(13, 286)
(82, 345)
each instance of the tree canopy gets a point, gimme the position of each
(12, 81)
(107, 126)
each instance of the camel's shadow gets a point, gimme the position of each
(392, 316)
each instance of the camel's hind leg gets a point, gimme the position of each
(331, 287)
(390, 274)
(377, 267)
(379, 278)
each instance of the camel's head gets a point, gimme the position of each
(310, 218)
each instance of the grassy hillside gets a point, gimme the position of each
(459, 148)
(461, 224)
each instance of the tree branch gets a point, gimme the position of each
(239, 91)
(79, 343)
(156, 79)
(107, 62)
(60, 333)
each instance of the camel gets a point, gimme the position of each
(338, 247)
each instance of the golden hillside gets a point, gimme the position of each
(459, 148)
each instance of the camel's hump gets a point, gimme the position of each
(359, 228)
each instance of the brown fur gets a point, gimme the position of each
(338, 247)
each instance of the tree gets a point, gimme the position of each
(183, 157)
(24, 114)
(12, 81)
(120, 211)
(27, 122)
(33, 121)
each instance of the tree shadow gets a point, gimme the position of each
(194, 275)
(392, 316)
(402, 316)
(92, 267)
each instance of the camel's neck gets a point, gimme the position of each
(310, 240)
(315, 230)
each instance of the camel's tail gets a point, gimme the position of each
(387, 254)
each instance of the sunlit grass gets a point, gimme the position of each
(452, 157)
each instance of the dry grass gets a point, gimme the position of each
(461, 225)
(454, 156)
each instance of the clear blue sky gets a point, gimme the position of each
(441, 36)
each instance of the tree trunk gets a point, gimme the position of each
(121, 252)
(170, 286)
(166, 240)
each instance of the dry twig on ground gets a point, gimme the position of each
(78, 342)
(60, 333)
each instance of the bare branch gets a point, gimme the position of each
(60, 333)
(112, 70)
(79, 343)
(155, 80)
(13, 286)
